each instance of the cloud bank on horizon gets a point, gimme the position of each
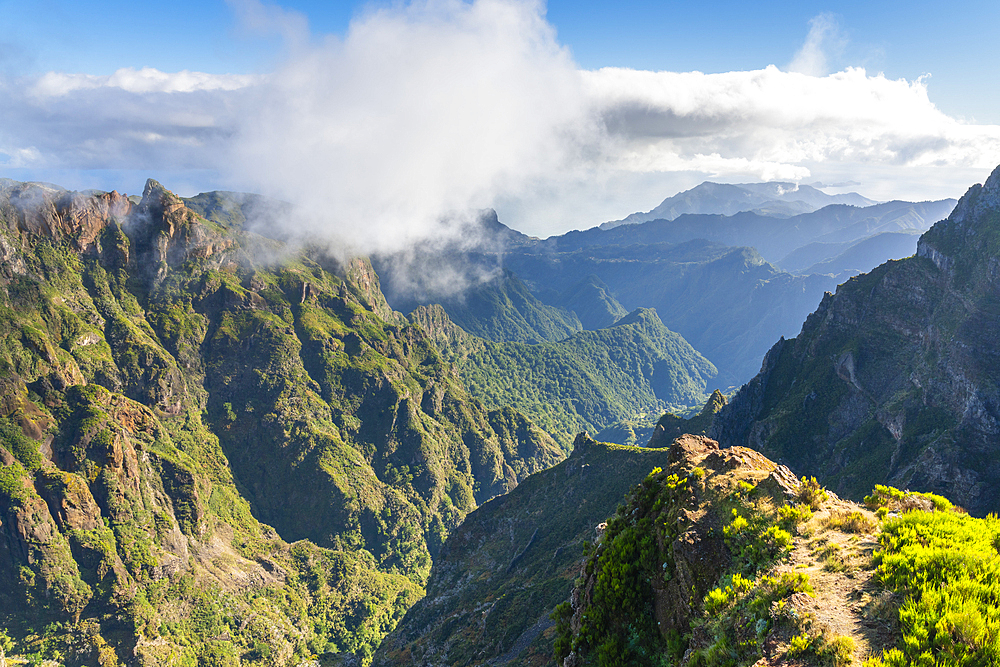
(429, 110)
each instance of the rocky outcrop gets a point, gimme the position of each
(670, 426)
(894, 379)
(42, 210)
(670, 543)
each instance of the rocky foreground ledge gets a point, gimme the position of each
(716, 556)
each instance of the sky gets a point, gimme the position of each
(385, 121)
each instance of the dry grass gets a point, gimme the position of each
(851, 522)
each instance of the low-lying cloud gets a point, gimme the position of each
(426, 111)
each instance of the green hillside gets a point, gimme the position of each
(504, 309)
(212, 459)
(514, 560)
(636, 368)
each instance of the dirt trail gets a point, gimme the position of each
(838, 559)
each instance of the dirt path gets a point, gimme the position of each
(838, 560)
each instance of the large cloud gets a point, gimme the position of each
(428, 110)
(661, 120)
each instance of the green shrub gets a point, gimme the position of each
(741, 605)
(791, 516)
(21, 446)
(946, 566)
(882, 496)
(812, 494)
(757, 543)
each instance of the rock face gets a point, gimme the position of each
(43, 210)
(896, 378)
(165, 388)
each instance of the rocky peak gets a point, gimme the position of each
(170, 233)
(160, 205)
(37, 209)
(434, 320)
(976, 212)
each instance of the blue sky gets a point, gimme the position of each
(410, 111)
(957, 43)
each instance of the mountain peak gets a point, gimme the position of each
(991, 188)
(972, 224)
(155, 193)
(779, 197)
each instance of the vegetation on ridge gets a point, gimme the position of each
(165, 389)
(635, 369)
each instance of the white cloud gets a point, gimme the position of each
(814, 56)
(420, 112)
(427, 110)
(770, 117)
(145, 80)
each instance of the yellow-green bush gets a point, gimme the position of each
(947, 566)
(811, 493)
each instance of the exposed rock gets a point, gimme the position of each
(895, 378)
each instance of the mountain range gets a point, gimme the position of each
(777, 199)
(219, 449)
(893, 379)
(688, 269)
(202, 448)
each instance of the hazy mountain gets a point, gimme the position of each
(728, 303)
(504, 309)
(774, 238)
(774, 198)
(895, 378)
(591, 301)
(864, 255)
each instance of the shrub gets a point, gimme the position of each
(24, 449)
(837, 650)
(947, 568)
(882, 496)
(812, 494)
(790, 516)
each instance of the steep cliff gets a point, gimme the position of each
(170, 388)
(895, 378)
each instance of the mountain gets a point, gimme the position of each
(866, 254)
(689, 269)
(213, 458)
(773, 198)
(713, 556)
(774, 238)
(894, 379)
(636, 368)
(690, 285)
(514, 560)
(724, 557)
(592, 302)
(503, 309)
(241, 210)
